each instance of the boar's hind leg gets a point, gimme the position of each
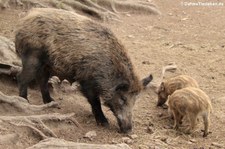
(206, 124)
(43, 76)
(89, 91)
(28, 73)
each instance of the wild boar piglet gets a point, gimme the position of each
(168, 86)
(190, 102)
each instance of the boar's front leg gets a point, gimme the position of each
(43, 77)
(89, 90)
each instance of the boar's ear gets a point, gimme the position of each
(162, 87)
(147, 80)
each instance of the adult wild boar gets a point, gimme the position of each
(70, 46)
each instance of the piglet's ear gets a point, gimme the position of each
(162, 87)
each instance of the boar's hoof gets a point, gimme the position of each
(205, 134)
(104, 123)
(125, 131)
(48, 100)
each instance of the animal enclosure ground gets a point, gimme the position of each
(191, 36)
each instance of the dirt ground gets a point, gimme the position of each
(193, 37)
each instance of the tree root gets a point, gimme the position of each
(155, 85)
(22, 104)
(60, 143)
(36, 122)
(100, 9)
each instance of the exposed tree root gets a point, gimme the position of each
(36, 122)
(100, 9)
(22, 104)
(171, 67)
(60, 143)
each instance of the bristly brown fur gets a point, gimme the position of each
(77, 46)
(170, 85)
(190, 102)
(73, 47)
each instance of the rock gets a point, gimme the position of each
(60, 143)
(127, 140)
(133, 136)
(10, 63)
(143, 147)
(90, 135)
(114, 141)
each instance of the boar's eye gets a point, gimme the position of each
(123, 100)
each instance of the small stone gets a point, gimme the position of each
(184, 19)
(160, 114)
(217, 145)
(170, 14)
(150, 130)
(127, 140)
(128, 15)
(130, 36)
(133, 136)
(146, 62)
(114, 141)
(164, 139)
(150, 124)
(143, 147)
(193, 140)
(90, 135)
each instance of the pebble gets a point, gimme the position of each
(143, 147)
(146, 62)
(130, 36)
(127, 140)
(114, 141)
(90, 135)
(150, 123)
(128, 15)
(193, 140)
(150, 130)
(184, 19)
(217, 145)
(160, 114)
(133, 136)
